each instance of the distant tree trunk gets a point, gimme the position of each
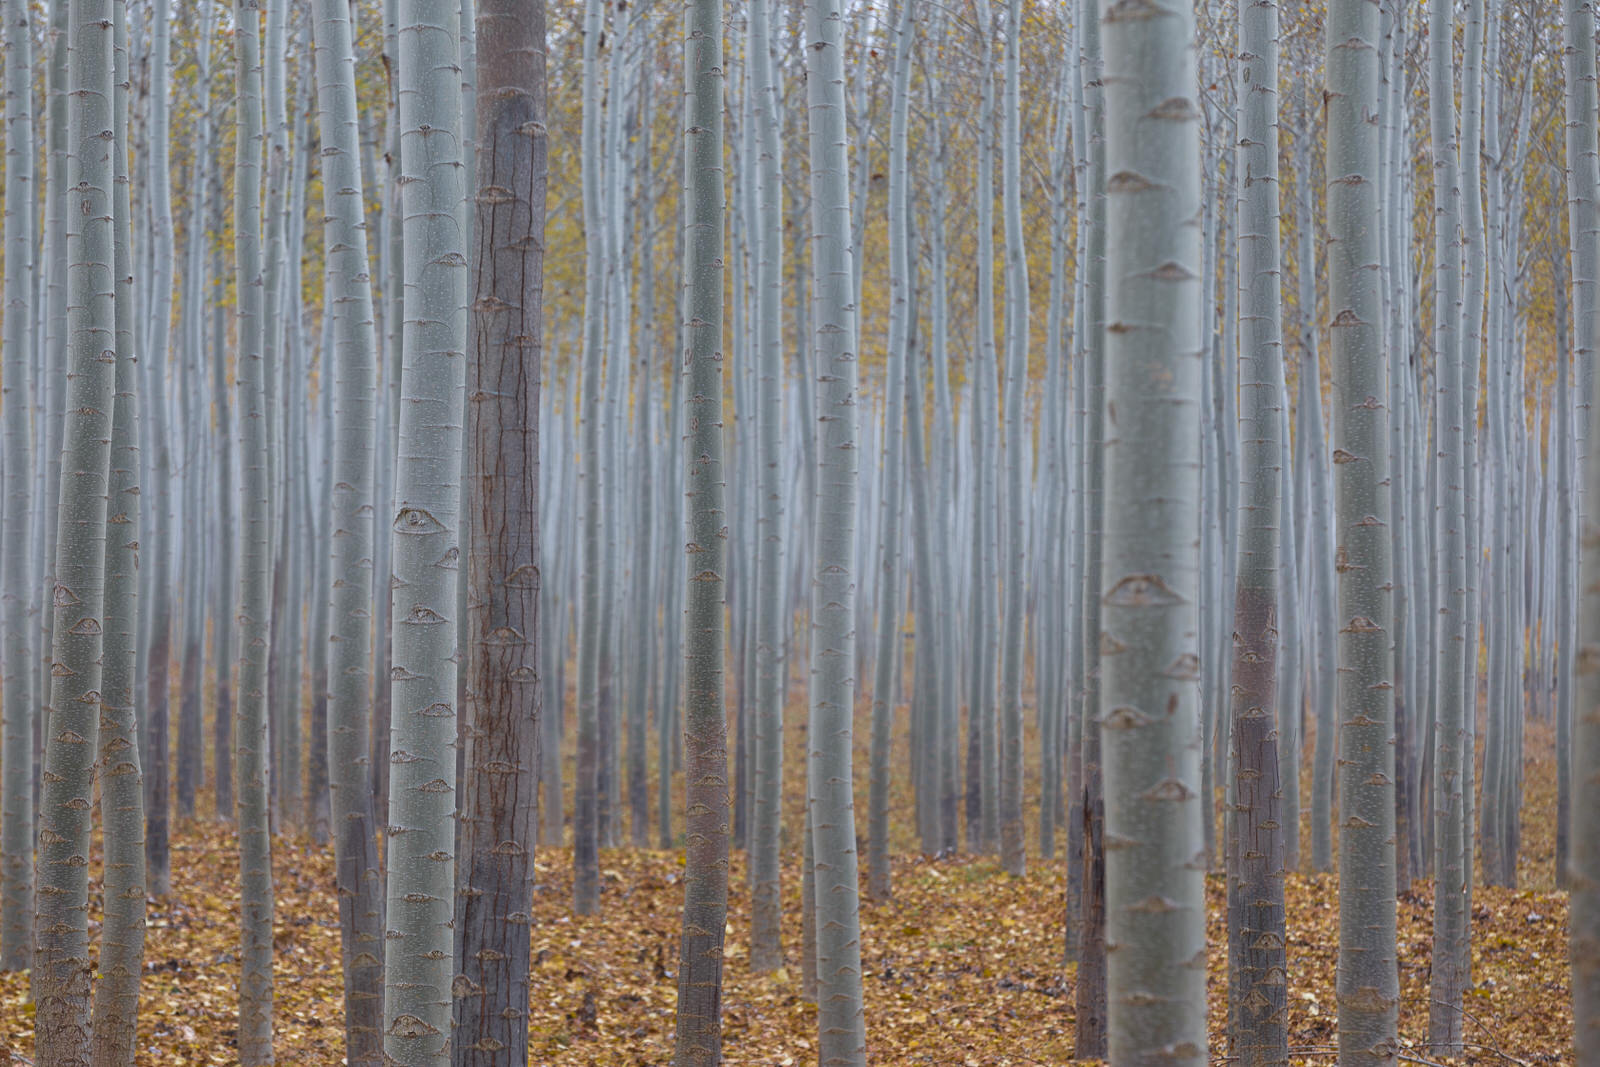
(1448, 981)
(16, 578)
(1019, 450)
(122, 814)
(499, 822)
(983, 821)
(830, 791)
(418, 965)
(1368, 982)
(891, 599)
(586, 787)
(200, 471)
(162, 531)
(61, 968)
(275, 343)
(255, 557)
(224, 651)
(1148, 638)
(774, 620)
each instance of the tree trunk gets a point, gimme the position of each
(1448, 981)
(420, 842)
(352, 360)
(16, 588)
(1257, 961)
(1583, 189)
(705, 734)
(830, 792)
(774, 620)
(61, 966)
(591, 612)
(499, 821)
(1090, 993)
(1368, 983)
(1013, 848)
(122, 814)
(255, 557)
(1148, 700)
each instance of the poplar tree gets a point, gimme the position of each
(1583, 197)
(830, 793)
(891, 599)
(499, 818)
(122, 810)
(255, 556)
(61, 967)
(1149, 700)
(16, 589)
(586, 799)
(705, 731)
(354, 356)
(1456, 649)
(1013, 852)
(420, 841)
(1367, 987)
(162, 536)
(774, 622)
(1257, 961)
(1086, 923)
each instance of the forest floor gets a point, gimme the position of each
(963, 965)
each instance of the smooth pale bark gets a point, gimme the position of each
(1149, 701)
(420, 841)
(275, 342)
(983, 816)
(393, 300)
(1367, 986)
(841, 1020)
(705, 731)
(318, 534)
(161, 534)
(122, 812)
(586, 787)
(1257, 959)
(348, 603)
(942, 439)
(499, 821)
(647, 537)
(1291, 664)
(54, 332)
(1013, 847)
(1566, 571)
(1479, 624)
(200, 470)
(16, 590)
(255, 556)
(891, 598)
(774, 620)
(1583, 873)
(61, 970)
(1448, 980)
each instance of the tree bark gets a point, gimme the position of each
(1368, 983)
(500, 818)
(61, 963)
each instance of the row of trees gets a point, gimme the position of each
(1124, 506)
